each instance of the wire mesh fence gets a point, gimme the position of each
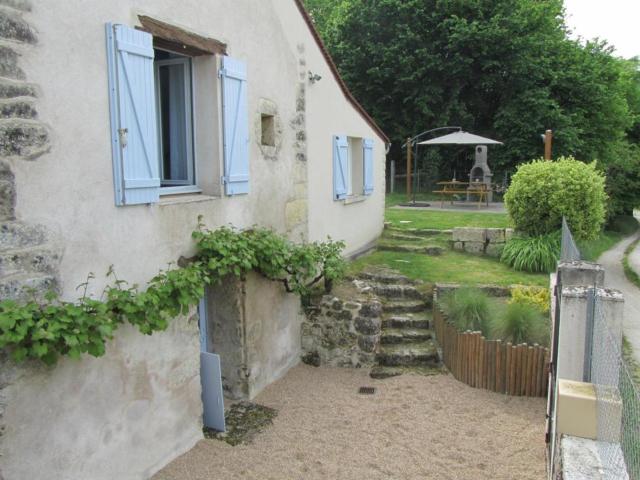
(569, 251)
(618, 398)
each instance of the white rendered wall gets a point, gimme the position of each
(130, 412)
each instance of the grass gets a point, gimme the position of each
(632, 364)
(451, 267)
(533, 254)
(629, 272)
(469, 309)
(445, 220)
(397, 198)
(592, 249)
(504, 320)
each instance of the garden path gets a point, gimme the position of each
(611, 260)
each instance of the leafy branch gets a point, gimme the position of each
(46, 330)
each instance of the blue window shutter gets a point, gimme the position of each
(340, 167)
(235, 124)
(367, 155)
(133, 115)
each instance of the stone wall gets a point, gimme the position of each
(342, 330)
(482, 241)
(254, 325)
(297, 208)
(29, 256)
(441, 289)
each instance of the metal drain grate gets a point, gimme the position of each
(367, 390)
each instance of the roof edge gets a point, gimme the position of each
(334, 70)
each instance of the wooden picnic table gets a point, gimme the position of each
(455, 187)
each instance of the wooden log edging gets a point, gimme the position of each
(495, 365)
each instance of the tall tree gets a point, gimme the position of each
(502, 68)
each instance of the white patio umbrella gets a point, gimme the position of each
(460, 138)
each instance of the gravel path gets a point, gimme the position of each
(614, 277)
(414, 427)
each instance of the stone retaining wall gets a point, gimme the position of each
(491, 290)
(342, 332)
(482, 241)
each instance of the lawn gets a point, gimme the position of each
(397, 198)
(456, 267)
(620, 227)
(451, 267)
(444, 220)
(592, 249)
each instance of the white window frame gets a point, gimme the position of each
(192, 187)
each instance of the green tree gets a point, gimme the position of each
(501, 68)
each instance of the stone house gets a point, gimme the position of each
(122, 122)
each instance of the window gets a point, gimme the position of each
(355, 167)
(268, 130)
(352, 167)
(151, 91)
(175, 125)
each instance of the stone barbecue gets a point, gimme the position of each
(480, 172)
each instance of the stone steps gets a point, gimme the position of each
(25, 286)
(392, 336)
(414, 354)
(24, 138)
(396, 291)
(407, 321)
(33, 259)
(385, 277)
(432, 250)
(406, 342)
(404, 237)
(404, 306)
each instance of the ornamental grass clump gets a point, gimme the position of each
(532, 254)
(522, 323)
(468, 309)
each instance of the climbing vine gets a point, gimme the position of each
(48, 329)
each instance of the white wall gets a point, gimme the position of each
(356, 223)
(127, 414)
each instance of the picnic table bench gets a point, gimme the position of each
(454, 187)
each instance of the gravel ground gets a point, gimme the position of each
(414, 427)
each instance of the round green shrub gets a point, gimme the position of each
(542, 192)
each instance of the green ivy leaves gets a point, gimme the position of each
(47, 330)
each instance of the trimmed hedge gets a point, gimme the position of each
(542, 192)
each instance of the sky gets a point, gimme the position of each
(617, 21)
